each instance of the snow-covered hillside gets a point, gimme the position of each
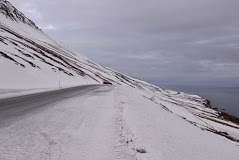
(31, 59)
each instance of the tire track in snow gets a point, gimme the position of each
(125, 140)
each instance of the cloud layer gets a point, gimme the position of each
(160, 41)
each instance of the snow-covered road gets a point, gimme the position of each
(64, 124)
(107, 123)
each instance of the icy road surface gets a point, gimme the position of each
(107, 123)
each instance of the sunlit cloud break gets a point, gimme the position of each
(47, 27)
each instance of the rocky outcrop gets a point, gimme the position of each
(7, 9)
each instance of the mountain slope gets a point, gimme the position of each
(31, 59)
(11, 12)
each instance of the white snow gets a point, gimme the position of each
(114, 122)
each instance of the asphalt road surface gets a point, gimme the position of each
(58, 125)
(21, 105)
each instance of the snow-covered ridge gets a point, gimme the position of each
(31, 59)
(11, 12)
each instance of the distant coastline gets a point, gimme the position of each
(225, 99)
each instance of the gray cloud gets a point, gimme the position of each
(161, 41)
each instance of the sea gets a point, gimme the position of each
(225, 99)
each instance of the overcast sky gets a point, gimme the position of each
(183, 42)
